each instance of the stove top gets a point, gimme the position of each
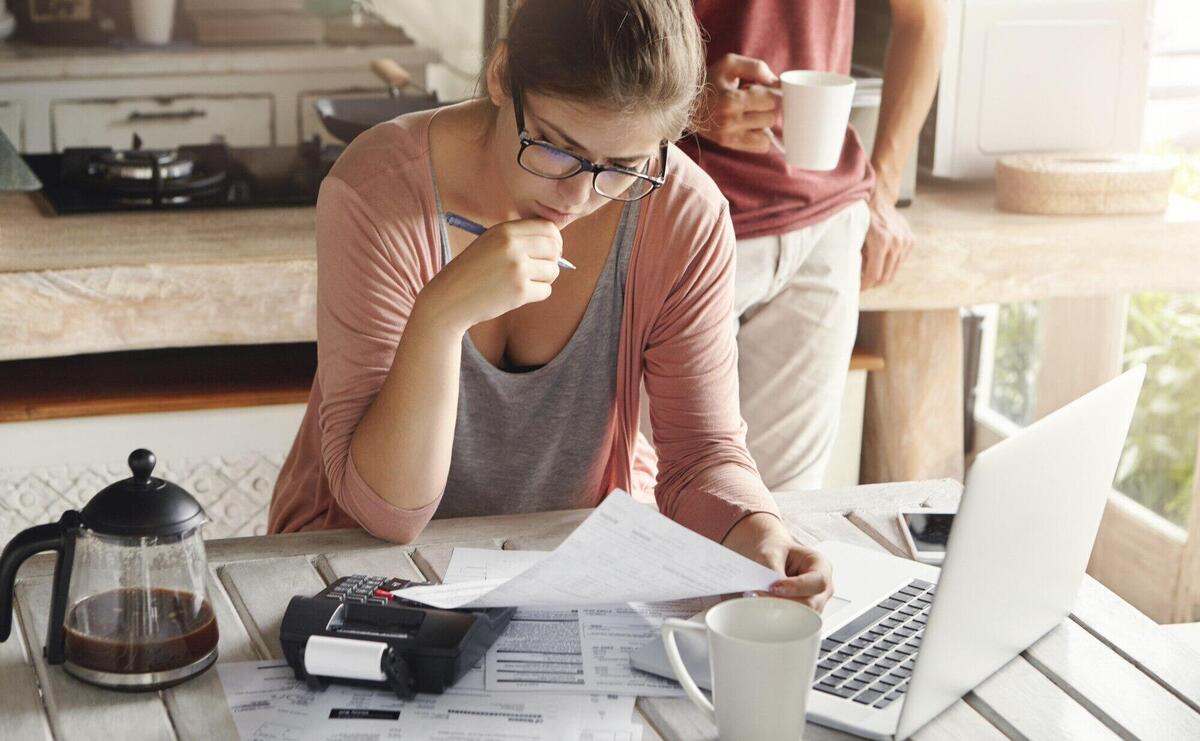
(95, 180)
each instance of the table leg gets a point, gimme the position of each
(913, 420)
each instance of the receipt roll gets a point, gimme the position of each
(325, 656)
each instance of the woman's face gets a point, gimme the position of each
(589, 131)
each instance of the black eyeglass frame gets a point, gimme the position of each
(585, 165)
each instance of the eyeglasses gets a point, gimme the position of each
(611, 181)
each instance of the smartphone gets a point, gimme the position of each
(926, 532)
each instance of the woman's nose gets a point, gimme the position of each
(576, 190)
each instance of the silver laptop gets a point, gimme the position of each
(902, 640)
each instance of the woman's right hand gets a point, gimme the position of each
(512, 264)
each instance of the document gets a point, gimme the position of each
(269, 704)
(572, 650)
(623, 552)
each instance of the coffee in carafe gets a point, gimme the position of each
(129, 608)
(140, 630)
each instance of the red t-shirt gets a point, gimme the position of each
(766, 198)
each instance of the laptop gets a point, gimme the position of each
(902, 640)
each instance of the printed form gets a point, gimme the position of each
(623, 552)
(568, 650)
(269, 704)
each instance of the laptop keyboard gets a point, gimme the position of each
(869, 660)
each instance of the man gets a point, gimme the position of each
(808, 242)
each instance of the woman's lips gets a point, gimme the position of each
(560, 218)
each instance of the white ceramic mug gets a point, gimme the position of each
(816, 111)
(152, 20)
(762, 652)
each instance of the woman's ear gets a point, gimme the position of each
(497, 70)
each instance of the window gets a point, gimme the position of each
(1162, 330)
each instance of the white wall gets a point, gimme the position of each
(454, 28)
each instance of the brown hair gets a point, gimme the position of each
(631, 56)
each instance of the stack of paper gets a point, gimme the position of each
(623, 552)
(560, 670)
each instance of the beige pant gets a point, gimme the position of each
(796, 299)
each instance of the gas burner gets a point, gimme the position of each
(141, 164)
(148, 177)
(92, 180)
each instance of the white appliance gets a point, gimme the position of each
(1038, 75)
(1031, 506)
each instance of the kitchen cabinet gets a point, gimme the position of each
(239, 120)
(251, 95)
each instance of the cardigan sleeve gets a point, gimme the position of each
(707, 480)
(366, 288)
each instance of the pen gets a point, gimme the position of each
(470, 226)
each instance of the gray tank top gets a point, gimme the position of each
(539, 439)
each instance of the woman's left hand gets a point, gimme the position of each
(808, 575)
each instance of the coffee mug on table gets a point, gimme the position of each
(762, 653)
(816, 111)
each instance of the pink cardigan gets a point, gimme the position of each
(377, 246)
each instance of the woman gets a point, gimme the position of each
(464, 375)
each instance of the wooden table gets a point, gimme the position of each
(1106, 672)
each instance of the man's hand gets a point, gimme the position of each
(808, 575)
(889, 240)
(733, 116)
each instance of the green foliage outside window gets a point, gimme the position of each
(1158, 466)
(1015, 369)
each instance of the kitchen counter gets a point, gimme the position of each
(967, 253)
(98, 283)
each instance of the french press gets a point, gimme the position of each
(129, 608)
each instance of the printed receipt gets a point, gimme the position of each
(623, 552)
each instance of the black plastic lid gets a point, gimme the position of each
(142, 505)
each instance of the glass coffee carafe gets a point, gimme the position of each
(130, 607)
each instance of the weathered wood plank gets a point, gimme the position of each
(1114, 690)
(79, 710)
(261, 590)
(374, 562)
(22, 715)
(885, 497)
(544, 541)
(198, 708)
(1024, 703)
(678, 719)
(958, 722)
(1138, 640)
(883, 528)
(821, 527)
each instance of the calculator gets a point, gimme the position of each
(361, 589)
(410, 647)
